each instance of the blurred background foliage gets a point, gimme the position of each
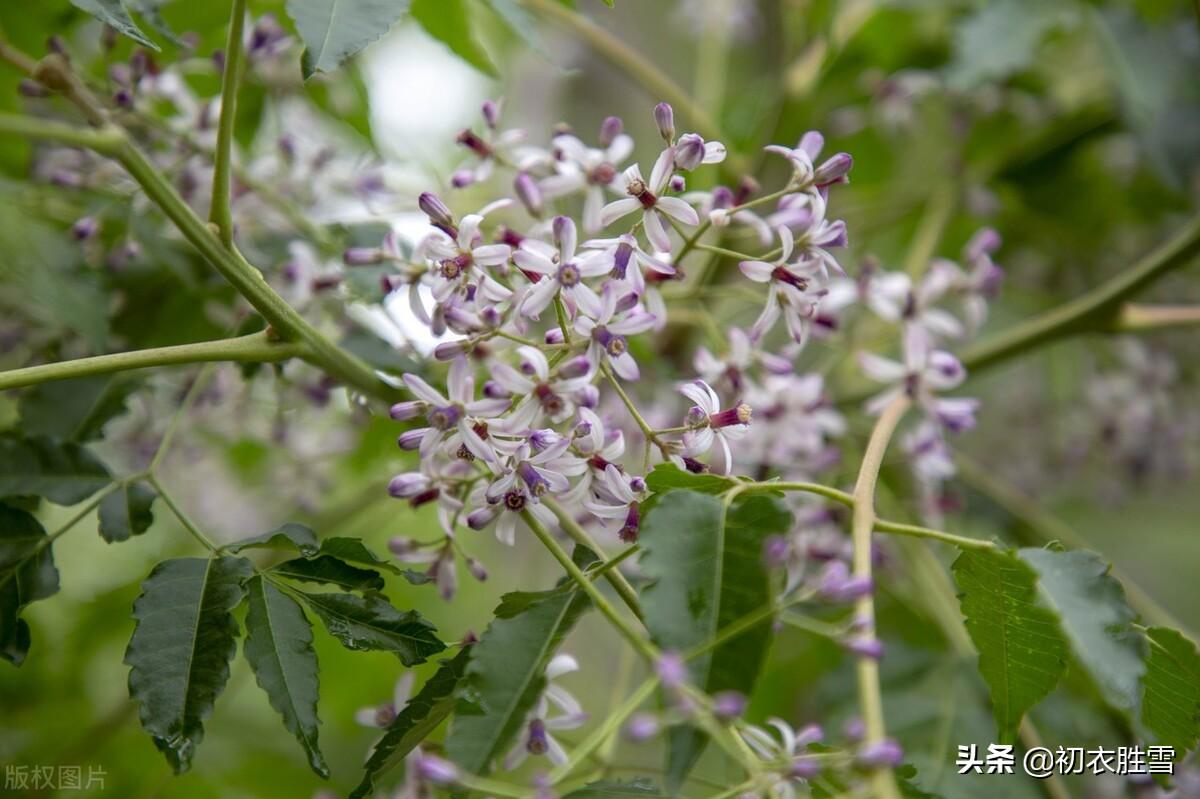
(1071, 127)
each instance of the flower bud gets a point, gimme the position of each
(402, 411)
(864, 646)
(435, 770)
(401, 546)
(410, 439)
(554, 336)
(671, 669)
(481, 518)
(462, 178)
(407, 485)
(437, 211)
(31, 88)
(588, 397)
(491, 113)
(880, 754)
(729, 705)
(664, 117)
(689, 152)
(362, 256)
(641, 727)
(85, 228)
(477, 570)
(575, 367)
(564, 229)
(449, 350)
(527, 191)
(834, 170)
(677, 184)
(610, 129)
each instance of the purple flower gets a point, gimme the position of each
(793, 292)
(713, 425)
(804, 155)
(457, 413)
(880, 754)
(607, 334)
(562, 273)
(648, 198)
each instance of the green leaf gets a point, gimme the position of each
(415, 577)
(1096, 620)
(1001, 38)
(126, 512)
(449, 22)
(1171, 690)
(334, 30)
(667, 476)
(518, 20)
(61, 471)
(330, 571)
(279, 648)
(371, 623)
(1022, 650)
(151, 12)
(74, 410)
(289, 536)
(413, 724)
(355, 551)
(27, 574)
(507, 672)
(113, 14)
(180, 650)
(618, 788)
(708, 572)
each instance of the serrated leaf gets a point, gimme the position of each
(708, 571)
(330, 571)
(279, 649)
(506, 674)
(413, 724)
(27, 574)
(334, 30)
(126, 512)
(1096, 619)
(61, 471)
(668, 476)
(113, 14)
(354, 550)
(1171, 690)
(645, 789)
(1022, 650)
(181, 647)
(74, 410)
(290, 536)
(151, 12)
(370, 623)
(449, 22)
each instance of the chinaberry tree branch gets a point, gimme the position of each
(1098, 310)
(110, 140)
(862, 522)
(254, 348)
(220, 213)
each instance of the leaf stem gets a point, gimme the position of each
(1094, 310)
(254, 348)
(191, 528)
(1134, 318)
(220, 213)
(580, 536)
(863, 521)
(643, 646)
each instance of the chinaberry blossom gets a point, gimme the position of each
(606, 331)
(793, 291)
(590, 170)
(650, 199)
(923, 374)
(460, 412)
(556, 709)
(561, 272)
(803, 158)
(710, 424)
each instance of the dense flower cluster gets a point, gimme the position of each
(539, 314)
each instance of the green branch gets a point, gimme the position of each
(580, 536)
(255, 348)
(869, 693)
(1094, 311)
(220, 213)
